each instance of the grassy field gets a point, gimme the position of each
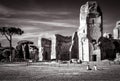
(59, 72)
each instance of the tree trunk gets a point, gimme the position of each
(10, 57)
(27, 54)
(23, 50)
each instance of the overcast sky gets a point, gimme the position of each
(51, 16)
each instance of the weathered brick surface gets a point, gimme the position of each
(90, 30)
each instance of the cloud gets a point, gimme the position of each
(58, 24)
(16, 13)
(28, 35)
(5, 11)
(42, 13)
(36, 22)
(35, 18)
(32, 35)
(30, 28)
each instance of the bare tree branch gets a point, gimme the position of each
(7, 37)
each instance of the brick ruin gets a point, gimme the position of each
(116, 31)
(54, 47)
(86, 44)
(63, 44)
(89, 31)
(84, 39)
(49, 40)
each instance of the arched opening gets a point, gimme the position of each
(94, 57)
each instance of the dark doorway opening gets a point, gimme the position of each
(94, 57)
(46, 56)
(46, 44)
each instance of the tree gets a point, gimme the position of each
(19, 51)
(8, 32)
(25, 48)
(34, 51)
(107, 48)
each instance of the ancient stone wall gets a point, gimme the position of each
(74, 47)
(84, 40)
(62, 47)
(53, 45)
(116, 31)
(46, 44)
(91, 21)
(90, 29)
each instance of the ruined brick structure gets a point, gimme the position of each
(51, 41)
(74, 50)
(62, 47)
(84, 41)
(46, 45)
(90, 30)
(54, 47)
(116, 31)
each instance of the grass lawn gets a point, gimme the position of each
(56, 72)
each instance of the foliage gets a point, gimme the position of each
(19, 51)
(34, 47)
(117, 46)
(24, 42)
(106, 43)
(107, 48)
(23, 49)
(34, 52)
(5, 53)
(8, 32)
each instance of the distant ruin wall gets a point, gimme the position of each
(62, 47)
(59, 46)
(116, 31)
(74, 47)
(53, 46)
